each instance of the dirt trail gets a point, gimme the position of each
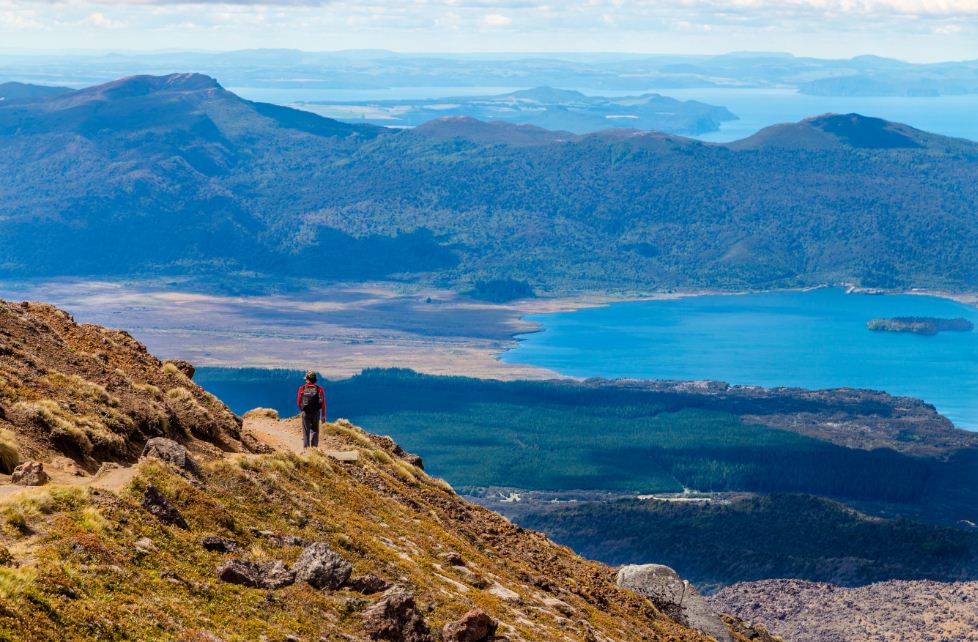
(282, 435)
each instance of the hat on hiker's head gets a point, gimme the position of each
(311, 377)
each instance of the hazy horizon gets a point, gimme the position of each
(914, 30)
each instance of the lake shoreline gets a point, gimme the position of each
(771, 339)
(340, 329)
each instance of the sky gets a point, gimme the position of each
(913, 30)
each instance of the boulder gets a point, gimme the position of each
(474, 626)
(321, 567)
(266, 575)
(675, 597)
(156, 503)
(30, 473)
(395, 618)
(144, 546)
(367, 584)
(220, 544)
(171, 452)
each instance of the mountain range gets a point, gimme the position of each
(175, 174)
(380, 70)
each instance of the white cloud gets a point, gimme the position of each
(496, 20)
(709, 26)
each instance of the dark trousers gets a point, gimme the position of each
(310, 430)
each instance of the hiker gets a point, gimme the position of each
(312, 404)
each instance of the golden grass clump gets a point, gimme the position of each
(264, 413)
(14, 582)
(179, 394)
(149, 389)
(7, 389)
(82, 388)
(353, 434)
(405, 471)
(9, 457)
(441, 483)
(171, 369)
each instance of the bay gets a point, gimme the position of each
(809, 339)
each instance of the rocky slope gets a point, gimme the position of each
(91, 394)
(888, 611)
(351, 542)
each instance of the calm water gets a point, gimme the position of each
(815, 339)
(756, 108)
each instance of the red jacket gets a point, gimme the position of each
(322, 399)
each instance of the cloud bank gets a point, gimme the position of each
(824, 27)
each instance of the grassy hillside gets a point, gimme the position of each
(95, 565)
(96, 544)
(175, 174)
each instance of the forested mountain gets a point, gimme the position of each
(21, 91)
(541, 106)
(175, 174)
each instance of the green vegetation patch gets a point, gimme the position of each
(797, 536)
(563, 436)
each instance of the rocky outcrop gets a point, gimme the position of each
(156, 503)
(266, 575)
(217, 544)
(367, 584)
(30, 473)
(676, 597)
(395, 618)
(800, 611)
(395, 449)
(171, 452)
(474, 626)
(321, 567)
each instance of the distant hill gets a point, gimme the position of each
(829, 131)
(494, 133)
(546, 107)
(25, 91)
(175, 174)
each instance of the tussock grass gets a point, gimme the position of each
(9, 457)
(149, 389)
(15, 582)
(353, 434)
(441, 483)
(266, 413)
(405, 472)
(179, 394)
(170, 369)
(81, 388)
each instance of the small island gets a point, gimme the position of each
(920, 325)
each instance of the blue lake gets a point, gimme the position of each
(812, 339)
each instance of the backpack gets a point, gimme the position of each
(310, 399)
